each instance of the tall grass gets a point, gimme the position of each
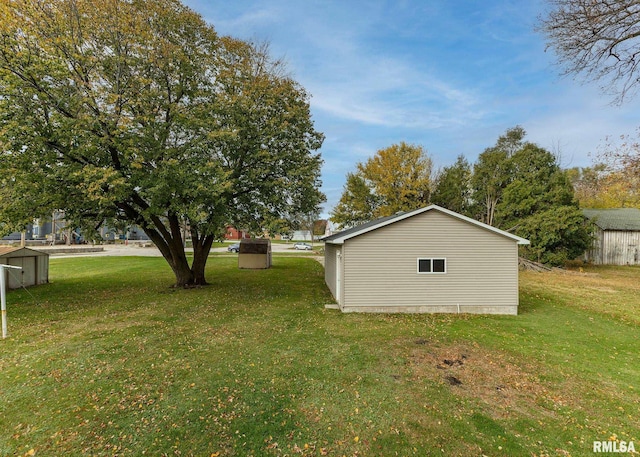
(109, 360)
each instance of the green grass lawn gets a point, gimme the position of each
(109, 360)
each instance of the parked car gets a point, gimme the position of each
(302, 246)
(235, 247)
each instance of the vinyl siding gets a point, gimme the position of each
(330, 268)
(380, 268)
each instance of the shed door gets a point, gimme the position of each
(28, 271)
(24, 277)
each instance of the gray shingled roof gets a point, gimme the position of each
(627, 219)
(357, 228)
(340, 237)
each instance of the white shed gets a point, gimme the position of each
(34, 264)
(424, 261)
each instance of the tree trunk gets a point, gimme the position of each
(184, 275)
(173, 251)
(169, 240)
(201, 249)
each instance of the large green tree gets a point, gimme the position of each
(536, 183)
(557, 234)
(492, 173)
(539, 204)
(136, 111)
(520, 187)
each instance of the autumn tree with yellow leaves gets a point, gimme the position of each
(397, 178)
(614, 180)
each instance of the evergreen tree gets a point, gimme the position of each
(539, 205)
(453, 187)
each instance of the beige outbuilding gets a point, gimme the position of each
(34, 266)
(254, 254)
(431, 260)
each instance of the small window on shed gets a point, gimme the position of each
(432, 266)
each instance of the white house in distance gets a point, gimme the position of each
(431, 260)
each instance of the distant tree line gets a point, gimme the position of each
(514, 185)
(613, 181)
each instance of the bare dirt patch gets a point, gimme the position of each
(505, 387)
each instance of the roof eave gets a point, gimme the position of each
(341, 240)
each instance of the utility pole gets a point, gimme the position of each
(3, 296)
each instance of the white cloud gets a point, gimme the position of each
(450, 78)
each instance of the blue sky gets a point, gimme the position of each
(451, 76)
